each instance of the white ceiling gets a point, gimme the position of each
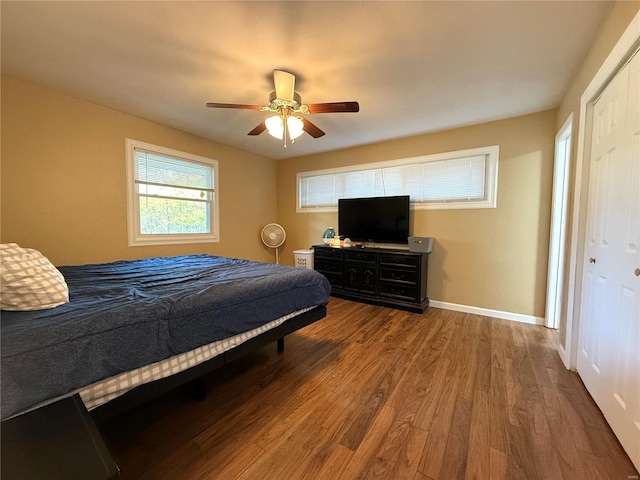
(414, 67)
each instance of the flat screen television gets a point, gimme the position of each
(374, 219)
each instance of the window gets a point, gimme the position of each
(461, 179)
(171, 196)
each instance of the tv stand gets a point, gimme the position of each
(379, 276)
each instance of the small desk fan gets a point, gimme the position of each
(273, 236)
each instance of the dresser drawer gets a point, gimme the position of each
(357, 256)
(335, 280)
(394, 290)
(328, 253)
(325, 266)
(397, 275)
(411, 261)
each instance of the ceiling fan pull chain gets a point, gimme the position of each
(285, 129)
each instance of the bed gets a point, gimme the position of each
(133, 327)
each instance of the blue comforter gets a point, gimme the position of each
(127, 314)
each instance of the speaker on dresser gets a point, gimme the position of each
(421, 244)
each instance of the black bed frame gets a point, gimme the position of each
(60, 441)
(146, 392)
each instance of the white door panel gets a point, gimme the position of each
(609, 353)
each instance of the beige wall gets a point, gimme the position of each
(490, 258)
(63, 180)
(619, 19)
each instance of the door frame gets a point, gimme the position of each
(623, 50)
(558, 235)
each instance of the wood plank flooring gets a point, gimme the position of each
(370, 392)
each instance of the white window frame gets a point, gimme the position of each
(491, 153)
(133, 211)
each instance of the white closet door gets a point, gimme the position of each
(609, 341)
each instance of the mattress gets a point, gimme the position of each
(125, 315)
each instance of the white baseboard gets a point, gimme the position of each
(516, 317)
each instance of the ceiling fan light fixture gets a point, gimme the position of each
(275, 127)
(295, 126)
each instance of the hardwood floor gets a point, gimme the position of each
(371, 392)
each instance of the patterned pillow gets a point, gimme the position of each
(28, 280)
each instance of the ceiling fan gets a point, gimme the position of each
(286, 104)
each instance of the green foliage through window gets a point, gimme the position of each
(168, 216)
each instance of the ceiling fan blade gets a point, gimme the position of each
(258, 130)
(311, 129)
(233, 105)
(285, 84)
(334, 107)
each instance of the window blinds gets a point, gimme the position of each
(164, 176)
(451, 180)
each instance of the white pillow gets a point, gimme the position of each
(28, 280)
